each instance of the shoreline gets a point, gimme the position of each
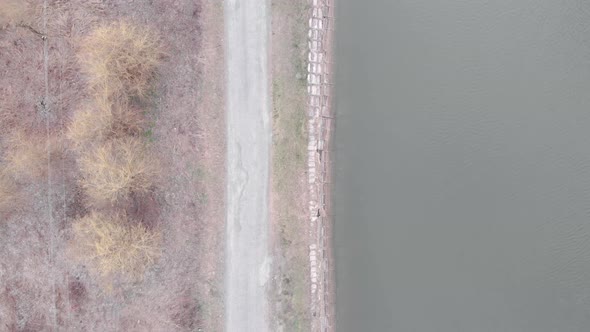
(320, 127)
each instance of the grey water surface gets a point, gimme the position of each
(462, 165)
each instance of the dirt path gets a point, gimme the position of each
(248, 145)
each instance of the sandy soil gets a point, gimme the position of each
(41, 287)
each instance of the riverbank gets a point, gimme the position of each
(301, 289)
(320, 125)
(289, 294)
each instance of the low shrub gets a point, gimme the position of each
(89, 126)
(112, 245)
(117, 168)
(98, 124)
(121, 59)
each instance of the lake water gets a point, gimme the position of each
(462, 165)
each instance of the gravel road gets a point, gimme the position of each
(248, 148)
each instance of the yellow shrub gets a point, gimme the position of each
(112, 245)
(89, 126)
(107, 121)
(116, 169)
(121, 58)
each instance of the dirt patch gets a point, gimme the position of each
(44, 289)
(289, 194)
(76, 295)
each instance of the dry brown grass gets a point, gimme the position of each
(13, 12)
(112, 245)
(108, 120)
(121, 58)
(116, 169)
(10, 198)
(27, 156)
(88, 127)
(9, 107)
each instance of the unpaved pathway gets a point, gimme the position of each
(248, 146)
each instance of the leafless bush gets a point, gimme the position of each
(116, 169)
(89, 126)
(121, 58)
(112, 245)
(108, 120)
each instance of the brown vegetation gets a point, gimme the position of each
(12, 12)
(116, 169)
(185, 293)
(114, 245)
(121, 58)
(97, 124)
(27, 157)
(10, 198)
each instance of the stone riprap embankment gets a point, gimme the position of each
(319, 127)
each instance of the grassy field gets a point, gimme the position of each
(289, 190)
(94, 94)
